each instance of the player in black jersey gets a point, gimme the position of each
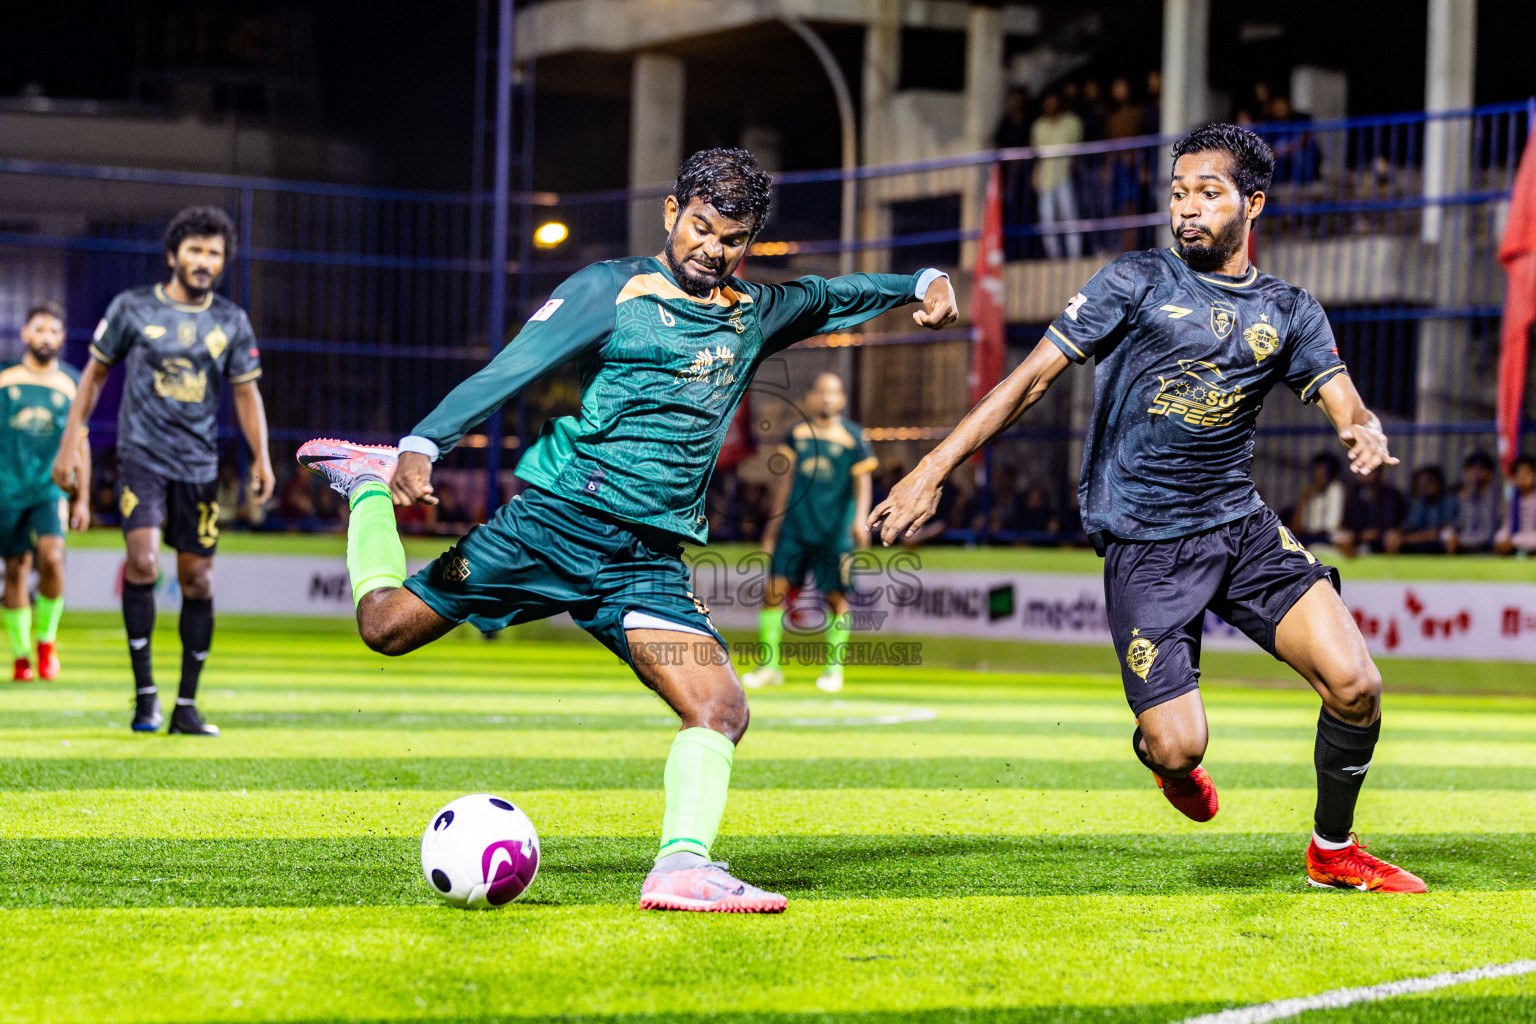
(1187, 342)
(181, 343)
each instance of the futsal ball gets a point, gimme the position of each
(480, 851)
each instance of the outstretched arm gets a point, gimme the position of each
(66, 464)
(1359, 429)
(808, 306)
(913, 501)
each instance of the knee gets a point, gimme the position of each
(142, 568)
(197, 585)
(50, 564)
(727, 713)
(1356, 696)
(382, 636)
(1176, 755)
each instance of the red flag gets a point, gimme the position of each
(988, 321)
(1518, 254)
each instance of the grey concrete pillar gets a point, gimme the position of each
(882, 73)
(985, 85)
(1450, 66)
(655, 142)
(1186, 43)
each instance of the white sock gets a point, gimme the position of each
(1324, 844)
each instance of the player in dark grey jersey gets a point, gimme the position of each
(180, 344)
(1187, 342)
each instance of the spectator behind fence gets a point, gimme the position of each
(1518, 534)
(1125, 170)
(1477, 507)
(1018, 195)
(1053, 175)
(1372, 511)
(1319, 511)
(1431, 515)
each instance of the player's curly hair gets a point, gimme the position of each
(200, 222)
(729, 180)
(1253, 162)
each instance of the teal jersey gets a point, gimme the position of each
(827, 463)
(33, 407)
(661, 375)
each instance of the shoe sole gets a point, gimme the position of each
(136, 727)
(1359, 888)
(729, 905)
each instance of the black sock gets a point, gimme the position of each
(1342, 755)
(1141, 756)
(139, 621)
(196, 638)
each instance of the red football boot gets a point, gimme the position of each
(1194, 795)
(1353, 868)
(47, 660)
(23, 671)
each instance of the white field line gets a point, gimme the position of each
(899, 718)
(1342, 997)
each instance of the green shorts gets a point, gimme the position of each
(541, 555)
(20, 527)
(830, 568)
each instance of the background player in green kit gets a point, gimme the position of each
(666, 346)
(180, 343)
(819, 506)
(34, 404)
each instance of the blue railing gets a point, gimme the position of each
(371, 302)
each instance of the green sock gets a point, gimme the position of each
(837, 641)
(770, 628)
(375, 556)
(18, 623)
(49, 611)
(697, 777)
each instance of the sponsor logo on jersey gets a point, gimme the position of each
(34, 419)
(217, 341)
(1175, 312)
(1141, 654)
(546, 311)
(186, 333)
(456, 569)
(177, 380)
(1078, 302)
(1223, 318)
(1262, 338)
(1197, 396)
(151, 331)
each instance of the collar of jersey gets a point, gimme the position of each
(167, 300)
(717, 297)
(1224, 281)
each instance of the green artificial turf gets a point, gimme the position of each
(956, 845)
(1477, 568)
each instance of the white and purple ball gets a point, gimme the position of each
(480, 851)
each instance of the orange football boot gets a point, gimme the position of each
(1353, 868)
(1194, 795)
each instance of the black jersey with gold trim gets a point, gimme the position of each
(1183, 361)
(178, 359)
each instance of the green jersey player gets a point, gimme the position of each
(666, 346)
(179, 343)
(34, 404)
(819, 508)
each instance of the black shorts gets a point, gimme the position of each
(1249, 571)
(188, 511)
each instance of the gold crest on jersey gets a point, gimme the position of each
(217, 341)
(186, 333)
(1140, 655)
(1262, 338)
(1223, 318)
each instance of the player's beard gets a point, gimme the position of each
(191, 285)
(690, 281)
(43, 355)
(1211, 255)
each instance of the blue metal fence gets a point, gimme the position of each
(371, 303)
